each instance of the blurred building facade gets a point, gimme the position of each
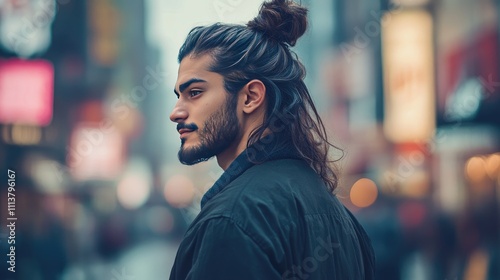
(416, 87)
(77, 82)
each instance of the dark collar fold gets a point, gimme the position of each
(271, 147)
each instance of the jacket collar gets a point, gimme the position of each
(271, 147)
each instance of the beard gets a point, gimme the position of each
(219, 131)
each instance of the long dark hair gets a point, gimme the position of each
(261, 50)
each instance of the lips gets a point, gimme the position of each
(184, 131)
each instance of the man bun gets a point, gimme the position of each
(281, 20)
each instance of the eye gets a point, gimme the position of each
(194, 93)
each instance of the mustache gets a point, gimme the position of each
(190, 126)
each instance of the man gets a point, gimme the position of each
(272, 214)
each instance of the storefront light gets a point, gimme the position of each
(26, 135)
(408, 68)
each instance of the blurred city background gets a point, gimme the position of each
(409, 89)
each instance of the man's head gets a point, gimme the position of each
(237, 83)
(205, 113)
(210, 120)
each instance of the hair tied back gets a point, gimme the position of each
(281, 20)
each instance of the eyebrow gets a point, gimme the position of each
(183, 86)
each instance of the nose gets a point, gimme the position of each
(179, 114)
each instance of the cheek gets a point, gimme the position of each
(205, 112)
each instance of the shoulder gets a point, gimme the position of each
(260, 201)
(271, 195)
(280, 189)
(283, 173)
(288, 167)
(268, 179)
(269, 184)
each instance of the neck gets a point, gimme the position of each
(225, 158)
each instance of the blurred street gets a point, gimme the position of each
(91, 186)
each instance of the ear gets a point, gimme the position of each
(254, 93)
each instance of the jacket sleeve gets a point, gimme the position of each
(221, 250)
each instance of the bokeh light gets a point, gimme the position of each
(132, 191)
(363, 193)
(493, 165)
(179, 191)
(475, 169)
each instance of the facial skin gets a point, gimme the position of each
(217, 133)
(211, 121)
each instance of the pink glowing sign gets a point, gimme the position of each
(26, 91)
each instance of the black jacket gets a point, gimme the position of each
(273, 220)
